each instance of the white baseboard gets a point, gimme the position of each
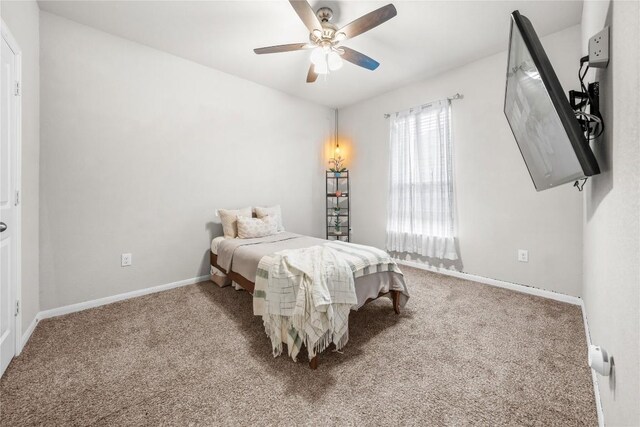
(498, 283)
(115, 298)
(594, 376)
(27, 334)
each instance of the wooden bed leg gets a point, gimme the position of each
(395, 297)
(313, 363)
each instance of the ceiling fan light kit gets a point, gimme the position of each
(324, 38)
(325, 60)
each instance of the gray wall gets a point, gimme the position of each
(499, 210)
(22, 20)
(612, 213)
(140, 147)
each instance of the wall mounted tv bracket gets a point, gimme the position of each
(598, 57)
(590, 121)
(589, 96)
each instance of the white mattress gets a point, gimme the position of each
(214, 244)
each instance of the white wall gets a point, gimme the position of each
(499, 210)
(140, 147)
(612, 213)
(22, 20)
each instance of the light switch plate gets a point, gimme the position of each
(599, 49)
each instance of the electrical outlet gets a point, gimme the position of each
(599, 49)
(523, 255)
(125, 260)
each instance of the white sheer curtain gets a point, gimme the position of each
(420, 216)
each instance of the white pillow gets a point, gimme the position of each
(273, 211)
(229, 217)
(249, 228)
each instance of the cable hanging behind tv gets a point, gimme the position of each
(551, 138)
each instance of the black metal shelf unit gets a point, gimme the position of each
(338, 224)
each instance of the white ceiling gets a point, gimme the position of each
(426, 38)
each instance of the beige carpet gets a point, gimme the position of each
(460, 354)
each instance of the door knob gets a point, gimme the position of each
(3, 227)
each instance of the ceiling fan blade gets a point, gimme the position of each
(312, 76)
(282, 48)
(368, 21)
(306, 13)
(358, 58)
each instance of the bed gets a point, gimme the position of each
(240, 260)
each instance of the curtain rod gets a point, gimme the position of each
(450, 98)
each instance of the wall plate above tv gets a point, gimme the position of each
(599, 49)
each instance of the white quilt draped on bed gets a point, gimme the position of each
(306, 294)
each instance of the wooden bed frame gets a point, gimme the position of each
(249, 286)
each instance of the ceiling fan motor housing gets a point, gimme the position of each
(325, 36)
(324, 14)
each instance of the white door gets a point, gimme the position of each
(8, 163)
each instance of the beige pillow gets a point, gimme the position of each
(229, 218)
(273, 211)
(250, 228)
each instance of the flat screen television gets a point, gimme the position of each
(543, 123)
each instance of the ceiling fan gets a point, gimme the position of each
(325, 37)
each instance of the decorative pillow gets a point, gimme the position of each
(273, 211)
(249, 228)
(229, 218)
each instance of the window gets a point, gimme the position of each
(420, 216)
